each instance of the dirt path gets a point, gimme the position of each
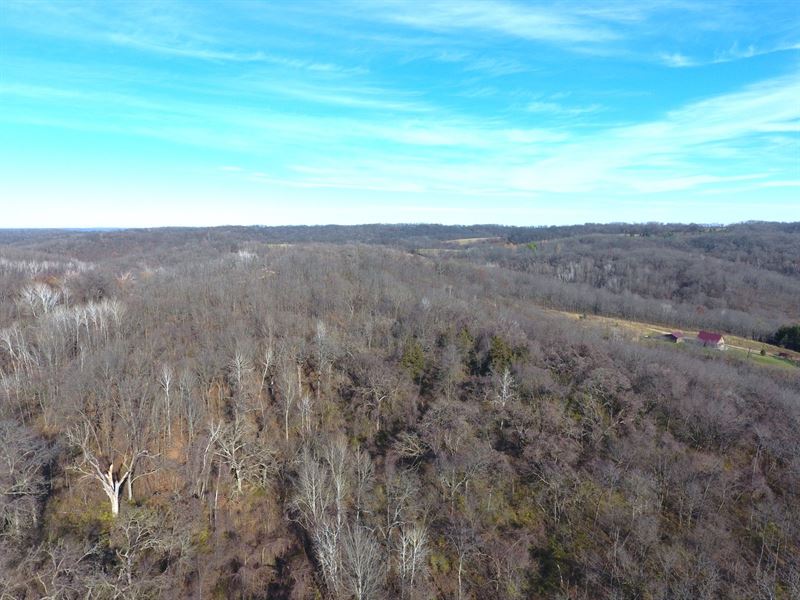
(643, 329)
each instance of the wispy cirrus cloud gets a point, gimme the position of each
(609, 28)
(734, 53)
(559, 109)
(677, 153)
(210, 53)
(499, 99)
(685, 149)
(168, 29)
(362, 97)
(531, 22)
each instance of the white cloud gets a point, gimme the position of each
(696, 146)
(406, 131)
(556, 108)
(792, 183)
(562, 24)
(676, 59)
(734, 53)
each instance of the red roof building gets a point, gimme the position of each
(707, 338)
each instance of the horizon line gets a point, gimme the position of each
(91, 229)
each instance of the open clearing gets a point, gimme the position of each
(739, 347)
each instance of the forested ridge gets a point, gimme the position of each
(386, 412)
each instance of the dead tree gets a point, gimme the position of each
(100, 468)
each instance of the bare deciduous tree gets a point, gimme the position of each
(135, 538)
(363, 481)
(327, 539)
(192, 408)
(409, 445)
(40, 298)
(165, 381)
(412, 555)
(97, 466)
(402, 489)
(313, 489)
(337, 460)
(235, 447)
(306, 408)
(240, 368)
(463, 540)
(133, 412)
(503, 393)
(363, 563)
(23, 457)
(323, 354)
(290, 385)
(60, 570)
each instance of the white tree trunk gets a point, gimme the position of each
(112, 486)
(460, 567)
(114, 504)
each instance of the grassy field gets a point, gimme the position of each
(738, 347)
(477, 240)
(769, 359)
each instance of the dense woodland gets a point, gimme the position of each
(382, 412)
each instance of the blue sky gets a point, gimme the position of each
(528, 113)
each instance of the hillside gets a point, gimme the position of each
(398, 412)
